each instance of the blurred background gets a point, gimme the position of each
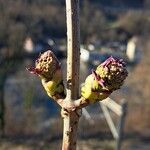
(29, 120)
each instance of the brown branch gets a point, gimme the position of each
(71, 105)
(73, 63)
(59, 99)
(81, 103)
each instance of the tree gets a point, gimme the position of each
(108, 77)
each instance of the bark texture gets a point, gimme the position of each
(73, 65)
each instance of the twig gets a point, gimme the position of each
(73, 62)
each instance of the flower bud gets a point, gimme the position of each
(109, 76)
(47, 67)
(113, 72)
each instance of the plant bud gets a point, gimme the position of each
(113, 72)
(109, 76)
(47, 67)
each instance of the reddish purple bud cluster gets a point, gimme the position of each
(111, 73)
